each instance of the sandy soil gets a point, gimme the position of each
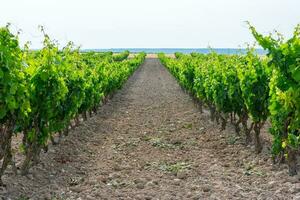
(151, 142)
(151, 55)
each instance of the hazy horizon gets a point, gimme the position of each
(149, 24)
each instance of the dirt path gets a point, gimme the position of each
(151, 142)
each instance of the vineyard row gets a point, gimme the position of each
(248, 90)
(45, 92)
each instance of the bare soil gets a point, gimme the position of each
(151, 142)
(152, 55)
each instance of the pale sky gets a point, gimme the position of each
(151, 23)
